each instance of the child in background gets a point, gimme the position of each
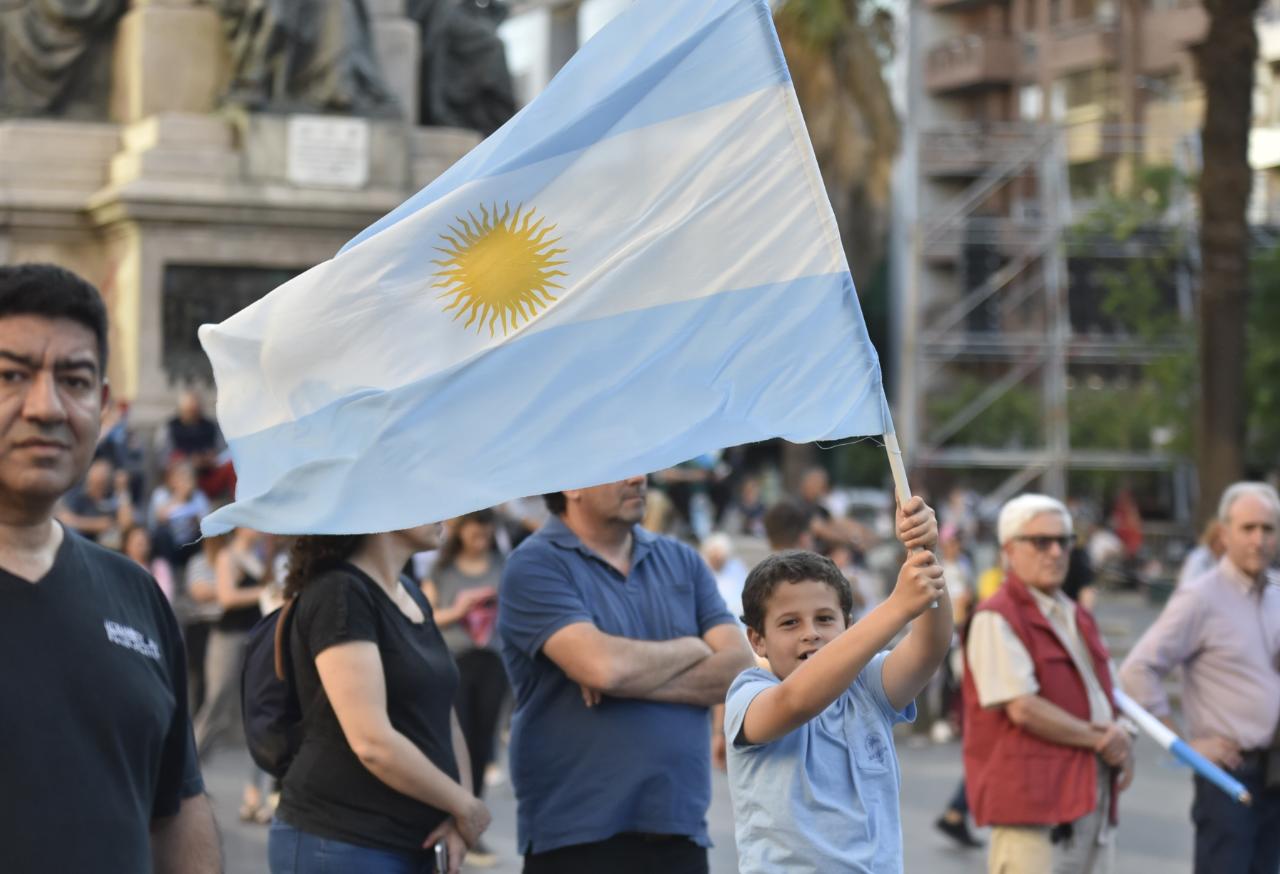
(812, 769)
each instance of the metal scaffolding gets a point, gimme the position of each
(1011, 324)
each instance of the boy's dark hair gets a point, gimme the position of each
(785, 523)
(54, 293)
(792, 566)
(556, 502)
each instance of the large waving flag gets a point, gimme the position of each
(639, 267)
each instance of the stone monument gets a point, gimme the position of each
(190, 156)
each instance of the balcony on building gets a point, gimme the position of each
(971, 61)
(964, 149)
(1082, 45)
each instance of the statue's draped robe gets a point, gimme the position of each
(304, 55)
(465, 80)
(47, 54)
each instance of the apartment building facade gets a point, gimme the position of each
(1021, 115)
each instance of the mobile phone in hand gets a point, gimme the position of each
(442, 857)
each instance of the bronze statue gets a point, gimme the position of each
(304, 56)
(465, 80)
(55, 56)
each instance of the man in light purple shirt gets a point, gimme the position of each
(1223, 630)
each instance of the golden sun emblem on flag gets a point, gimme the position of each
(498, 268)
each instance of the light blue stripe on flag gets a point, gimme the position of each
(642, 387)
(644, 68)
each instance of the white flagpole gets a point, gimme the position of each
(900, 484)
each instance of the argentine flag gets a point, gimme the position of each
(641, 266)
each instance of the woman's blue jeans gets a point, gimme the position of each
(291, 851)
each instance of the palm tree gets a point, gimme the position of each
(1225, 62)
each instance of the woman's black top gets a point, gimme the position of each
(327, 791)
(241, 618)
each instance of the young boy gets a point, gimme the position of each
(812, 769)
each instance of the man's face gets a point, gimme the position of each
(621, 502)
(51, 398)
(1040, 553)
(799, 619)
(1250, 535)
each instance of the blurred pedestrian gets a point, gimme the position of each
(240, 574)
(136, 544)
(100, 508)
(729, 571)
(1206, 555)
(1222, 629)
(463, 591)
(175, 512)
(198, 610)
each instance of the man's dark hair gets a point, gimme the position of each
(792, 566)
(556, 502)
(785, 523)
(54, 293)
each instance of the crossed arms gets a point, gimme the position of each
(684, 670)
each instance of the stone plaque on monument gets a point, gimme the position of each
(328, 152)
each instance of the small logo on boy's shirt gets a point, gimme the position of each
(876, 749)
(131, 638)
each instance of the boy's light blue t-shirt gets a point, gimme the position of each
(824, 798)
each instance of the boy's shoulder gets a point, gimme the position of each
(751, 677)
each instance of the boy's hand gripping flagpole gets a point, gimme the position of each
(900, 484)
(1182, 750)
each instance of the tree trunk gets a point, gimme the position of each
(1225, 61)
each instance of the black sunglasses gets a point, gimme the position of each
(1042, 542)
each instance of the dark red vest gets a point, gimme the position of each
(1013, 777)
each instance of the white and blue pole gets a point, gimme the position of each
(1181, 750)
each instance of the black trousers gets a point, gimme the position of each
(482, 686)
(1232, 838)
(623, 854)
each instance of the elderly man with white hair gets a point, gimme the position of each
(1043, 754)
(1223, 629)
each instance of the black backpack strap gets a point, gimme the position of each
(282, 625)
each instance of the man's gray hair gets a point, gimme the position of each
(1015, 514)
(1263, 491)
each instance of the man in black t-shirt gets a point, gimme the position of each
(97, 765)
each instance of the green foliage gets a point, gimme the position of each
(1012, 420)
(1136, 293)
(817, 22)
(1262, 367)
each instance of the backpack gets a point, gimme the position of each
(268, 699)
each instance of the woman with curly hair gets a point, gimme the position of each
(382, 772)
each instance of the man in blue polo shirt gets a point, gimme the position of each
(617, 643)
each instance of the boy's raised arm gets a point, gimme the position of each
(908, 668)
(912, 662)
(825, 675)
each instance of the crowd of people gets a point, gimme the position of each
(625, 628)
